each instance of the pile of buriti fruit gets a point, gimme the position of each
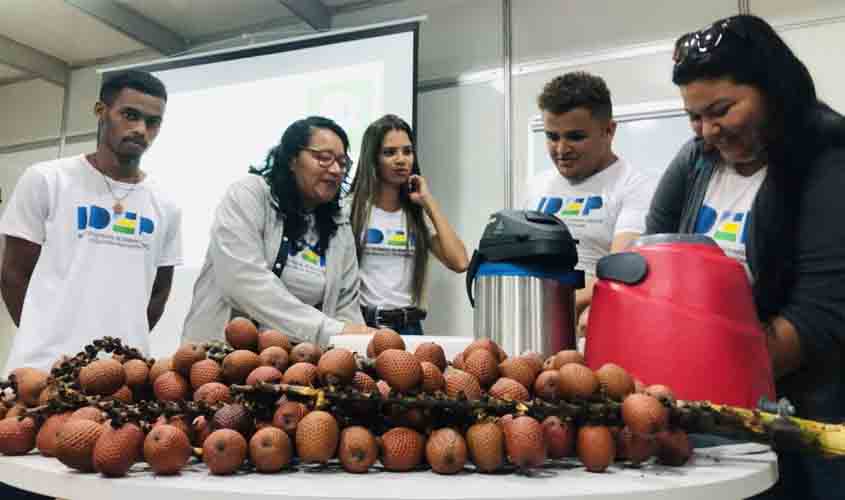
(259, 403)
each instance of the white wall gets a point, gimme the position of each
(461, 128)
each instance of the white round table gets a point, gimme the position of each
(712, 473)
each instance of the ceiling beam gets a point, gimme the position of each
(133, 25)
(25, 58)
(313, 12)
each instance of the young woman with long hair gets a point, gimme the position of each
(397, 222)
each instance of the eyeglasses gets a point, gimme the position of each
(697, 44)
(326, 158)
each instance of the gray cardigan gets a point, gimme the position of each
(236, 275)
(681, 191)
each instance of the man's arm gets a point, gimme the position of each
(158, 297)
(19, 260)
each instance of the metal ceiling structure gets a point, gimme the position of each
(154, 32)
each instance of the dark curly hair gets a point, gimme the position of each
(131, 79)
(577, 90)
(286, 196)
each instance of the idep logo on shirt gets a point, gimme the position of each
(575, 206)
(309, 255)
(394, 238)
(99, 218)
(730, 226)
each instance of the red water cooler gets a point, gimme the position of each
(676, 310)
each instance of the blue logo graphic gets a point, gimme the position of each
(732, 226)
(575, 206)
(99, 218)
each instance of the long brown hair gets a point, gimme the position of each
(367, 186)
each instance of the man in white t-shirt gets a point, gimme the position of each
(91, 241)
(599, 196)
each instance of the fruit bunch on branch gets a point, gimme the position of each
(261, 402)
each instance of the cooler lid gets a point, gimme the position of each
(567, 276)
(526, 236)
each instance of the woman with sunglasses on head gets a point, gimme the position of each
(280, 251)
(396, 222)
(780, 177)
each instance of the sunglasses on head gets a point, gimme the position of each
(697, 44)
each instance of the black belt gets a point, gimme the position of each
(397, 318)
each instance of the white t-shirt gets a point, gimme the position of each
(96, 269)
(304, 274)
(595, 209)
(387, 266)
(726, 210)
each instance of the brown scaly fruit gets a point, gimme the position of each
(547, 385)
(563, 358)
(402, 449)
(432, 353)
(559, 436)
(160, 366)
(276, 357)
(507, 388)
(288, 415)
(213, 393)
(446, 451)
(234, 416)
(432, 378)
(45, 441)
(363, 382)
(124, 395)
(635, 448)
(483, 364)
(577, 381)
(461, 382)
(385, 339)
(596, 447)
(30, 383)
(337, 367)
(270, 450)
(224, 451)
(644, 414)
(264, 374)
(237, 365)
(317, 437)
(673, 447)
(241, 333)
(89, 413)
(524, 443)
(400, 369)
(486, 344)
(273, 338)
(305, 352)
(615, 380)
(486, 443)
(17, 437)
(301, 374)
(357, 450)
(458, 361)
(102, 377)
(137, 373)
(185, 357)
(205, 371)
(171, 386)
(521, 369)
(167, 449)
(118, 449)
(75, 443)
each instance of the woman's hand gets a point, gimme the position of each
(357, 329)
(418, 190)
